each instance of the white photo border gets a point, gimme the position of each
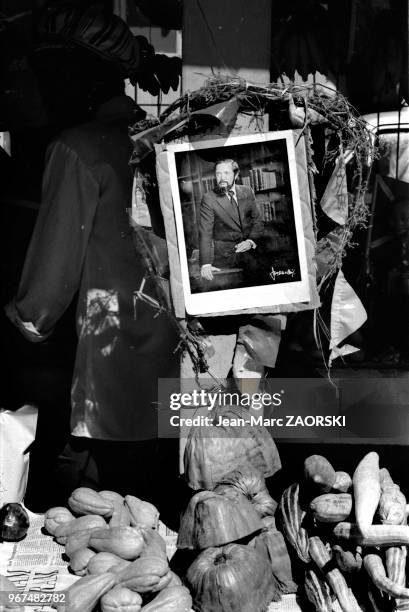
(225, 301)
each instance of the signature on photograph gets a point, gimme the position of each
(275, 273)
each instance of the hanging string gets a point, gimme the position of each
(213, 39)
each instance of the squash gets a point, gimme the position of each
(367, 490)
(234, 578)
(146, 575)
(112, 496)
(87, 501)
(291, 518)
(80, 559)
(213, 451)
(251, 484)
(322, 558)
(319, 473)
(170, 599)
(106, 562)
(126, 542)
(376, 571)
(83, 523)
(83, 595)
(376, 535)
(142, 512)
(212, 519)
(55, 517)
(121, 599)
(120, 517)
(331, 507)
(174, 580)
(271, 543)
(392, 506)
(348, 561)
(78, 540)
(7, 586)
(343, 482)
(154, 544)
(317, 591)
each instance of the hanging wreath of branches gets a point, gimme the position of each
(299, 106)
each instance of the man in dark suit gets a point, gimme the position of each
(229, 220)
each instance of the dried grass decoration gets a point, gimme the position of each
(348, 143)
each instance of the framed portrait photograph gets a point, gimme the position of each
(240, 232)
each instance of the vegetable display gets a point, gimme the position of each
(349, 534)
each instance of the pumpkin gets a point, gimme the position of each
(55, 517)
(212, 519)
(250, 483)
(121, 599)
(14, 522)
(126, 542)
(142, 512)
(271, 543)
(233, 578)
(213, 451)
(170, 599)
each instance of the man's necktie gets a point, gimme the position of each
(230, 195)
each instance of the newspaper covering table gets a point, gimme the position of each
(37, 564)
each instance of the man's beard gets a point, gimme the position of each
(222, 189)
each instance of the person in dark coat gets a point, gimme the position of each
(229, 224)
(82, 249)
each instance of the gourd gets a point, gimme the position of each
(251, 484)
(319, 473)
(80, 559)
(214, 451)
(106, 562)
(83, 595)
(291, 519)
(120, 516)
(317, 591)
(77, 540)
(322, 559)
(343, 482)
(271, 543)
(126, 542)
(142, 512)
(392, 506)
(367, 490)
(212, 519)
(376, 535)
(55, 517)
(82, 523)
(121, 599)
(146, 575)
(331, 507)
(347, 560)
(87, 501)
(376, 571)
(112, 496)
(154, 544)
(234, 578)
(14, 522)
(170, 599)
